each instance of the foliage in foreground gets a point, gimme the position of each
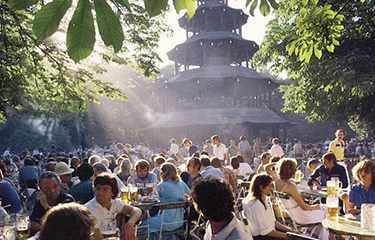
(337, 84)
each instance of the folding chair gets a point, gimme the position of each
(282, 214)
(181, 232)
(198, 231)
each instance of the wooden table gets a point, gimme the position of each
(343, 226)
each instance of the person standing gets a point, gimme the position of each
(219, 149)
(337, 146)
(276, 150)
(245, 149)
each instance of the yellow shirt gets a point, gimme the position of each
(337, 148)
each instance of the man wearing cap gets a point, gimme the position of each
(65, 173)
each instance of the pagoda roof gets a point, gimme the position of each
(237, 17)
(216, 116)
(217, 71)
(190, 52)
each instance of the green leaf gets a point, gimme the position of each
(189, 5)
(273, 4)
(124, 3)
(264, 7)
(308, 54)
(254, 4)
(291, 47)
(80, 38)
(48, 18)
(315, 2)
(155, 7)
(21, 4)
(109, 25)
(304, 2)
(317, 51)
(330, 48)
(335, 42)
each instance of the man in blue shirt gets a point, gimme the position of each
(143, 179)
(9, 196)
(328, 170)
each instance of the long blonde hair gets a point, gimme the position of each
(169, 172)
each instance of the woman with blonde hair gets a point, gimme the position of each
(170, 189)
(298, 210)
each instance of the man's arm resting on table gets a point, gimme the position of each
(133, 212)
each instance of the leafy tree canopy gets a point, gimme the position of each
(38, 76)
(339, 82)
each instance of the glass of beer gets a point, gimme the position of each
(331, 188)
(133, 194)
(9, 229)
(125, 195)
(332, 207)
(22, 224)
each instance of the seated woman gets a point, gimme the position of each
(170, 189)
(364, 190)
(105, 207)
(298, 210)
(259, 213)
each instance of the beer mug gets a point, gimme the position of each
(331, 188)
(9, 229)
(22, 224)
(337, 181)
(133, 193)
(124, 195)
(332, 208)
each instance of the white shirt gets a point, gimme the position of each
(245, 169)
(105, 219)
(276, 151)
(173, 149)
(261, 221)
(219, 151)
(234, 230)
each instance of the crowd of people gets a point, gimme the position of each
(83, 189)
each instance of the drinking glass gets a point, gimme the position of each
(133, 193)
(9, 229)
(22, 224)
(125, 195)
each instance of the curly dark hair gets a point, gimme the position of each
(214, 198)
(78, 223)
(107, 179)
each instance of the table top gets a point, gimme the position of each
(347, 227)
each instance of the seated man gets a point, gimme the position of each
(105, 207)
(213, 198)
(208, 170)
(329, 169)
(8, 194)
(143, 176)
(51, 194)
